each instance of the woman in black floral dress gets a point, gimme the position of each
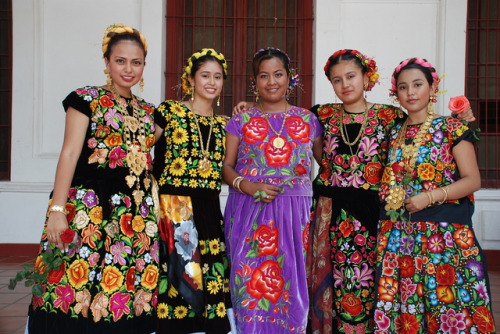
(194, 282)
(102, 192)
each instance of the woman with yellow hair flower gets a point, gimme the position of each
(105, 277)
(189, 152)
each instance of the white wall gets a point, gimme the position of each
(57, 47)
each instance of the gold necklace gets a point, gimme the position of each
(396, 198)
(344, 134)
(204, 164)
(136, 144)
(278, 142)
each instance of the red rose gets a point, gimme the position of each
(459, 104)
(407, 266)
(106, 102)
(268, 240)
(445, 274)
(297, 128)
(277, 157)
(55, 276)
(300, 170)
(352, 304)
(266, 282)
(373, 172)
(387, 114)
(68, 235)
(325, 112)
(255, 130)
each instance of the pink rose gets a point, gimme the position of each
(459, 104)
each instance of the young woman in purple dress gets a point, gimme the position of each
(269, 150)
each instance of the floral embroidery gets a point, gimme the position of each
(336, 168)
(184, 152)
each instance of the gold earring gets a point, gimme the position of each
(109, 81)
(192, 95)
(141, 84)
(218, 101)
(366, 90)
(256, 96)
(430, 106)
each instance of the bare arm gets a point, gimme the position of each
(470, 179)
(74, 137)
(229, 174)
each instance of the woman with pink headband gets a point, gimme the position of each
(431, 272)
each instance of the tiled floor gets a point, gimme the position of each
(14, 304)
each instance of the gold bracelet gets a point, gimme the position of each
(236, 183)
(445, 198)
(430, 198)
(58, 208)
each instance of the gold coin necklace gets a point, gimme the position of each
(135, 139)
(278, 142)
(204, 164)
(345, 135)
(409, 152)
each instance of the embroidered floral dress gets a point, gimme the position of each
(266, 242)
(194, 284)
(108, 284)
(431, 271)
(344, 218)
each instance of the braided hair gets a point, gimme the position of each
(119, 32)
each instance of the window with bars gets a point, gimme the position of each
(238, 29)
(483, 83)
(5, 87)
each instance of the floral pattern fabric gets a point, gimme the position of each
(266, 242)
(431, 275)
(341, 274)
(179, 168)
(109, 281)
(340, 168)
(194, 279)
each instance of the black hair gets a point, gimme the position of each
(346, 56)
(270, 53)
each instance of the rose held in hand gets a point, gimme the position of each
(459, 104)
(67, 236)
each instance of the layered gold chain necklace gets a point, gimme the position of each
(278, 142)
(409, 152)
(134, 136)
(345, 135)
(204, 164)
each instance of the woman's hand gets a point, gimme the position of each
(251, 188)
(56, 225)
(240, 107)
(417, 202)
(467, 115)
